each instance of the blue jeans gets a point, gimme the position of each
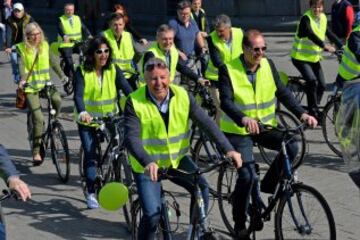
(2, 232)
(247, 177)
(15, 66)
(150, 199)
(89, 143)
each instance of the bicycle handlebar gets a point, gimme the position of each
(267, 128)
(9, 194)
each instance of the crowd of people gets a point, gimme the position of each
(158, 112)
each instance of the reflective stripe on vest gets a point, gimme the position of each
(226, 54)
(349, 67)
(165, 146)
(303, 48)
(100, 100)
(41, 72)
(73, 32)
(123, 54)
(158, 53)
(258, 105)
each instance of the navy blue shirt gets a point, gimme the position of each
(185, 37)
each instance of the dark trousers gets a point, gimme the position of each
(66, 54)
(247, 176)
(150, 201)
(315, 83)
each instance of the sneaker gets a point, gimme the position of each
(91, 201)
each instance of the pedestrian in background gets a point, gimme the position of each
(342, 18)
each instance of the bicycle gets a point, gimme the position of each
(54, 134)
(297, 86)
(198, 227)
(6, 195)
(81, 46)
(112, 165)
(294, 202)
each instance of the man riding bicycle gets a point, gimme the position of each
(157, 132)
(249, 86)
(71, 30)
(165, 49)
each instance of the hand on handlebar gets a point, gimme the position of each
(236, 158)
(152, 170)
(310, 120)
(329, 48)
(204, 82)
(85, 117)
(15, 183)
(251, 125)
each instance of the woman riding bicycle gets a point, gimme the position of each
(35, 60)
(306, 52)
(97, 93)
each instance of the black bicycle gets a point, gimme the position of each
(53, 135)
(199, 227)
(112, 164)
(297, 86)
(6, 194)
(81, 46)
(300, 210)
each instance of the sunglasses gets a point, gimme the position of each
(102, 50)
(151, 66)
(257, 49)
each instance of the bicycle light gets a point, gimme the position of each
(53, 112)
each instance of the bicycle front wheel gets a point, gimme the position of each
(328, 126)
(304, 214)
(287, 121)
(226, 185)
(60, 151)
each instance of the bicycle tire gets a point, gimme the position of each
(59, 145)
(287, 120)
(29, 128)
(328, 125)
(304, 193)
(123, 174)
(225, 188)
(68, 86)
(296, 88)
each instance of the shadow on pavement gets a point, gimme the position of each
(59, 216)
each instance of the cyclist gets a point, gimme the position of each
(249, 86)
(35, 55)
(187, 33)
(306, 52)
(348, 118)
(11, 176)
(71, 30)
(14, 34)
(224, 45)
(97, 91)
(165, 49)
(157, 132)
(199, 15)
(122, 45)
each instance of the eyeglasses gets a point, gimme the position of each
(34, 34)
(257, 49)
(151, 66)
(102, 50)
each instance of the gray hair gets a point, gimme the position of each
(222, 20)
(155, 63)
(163, 28)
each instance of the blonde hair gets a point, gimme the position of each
(29, 28)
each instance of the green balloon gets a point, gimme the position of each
(113, 196)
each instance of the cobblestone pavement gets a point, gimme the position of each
(58, 211)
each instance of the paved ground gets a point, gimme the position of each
(58, 211)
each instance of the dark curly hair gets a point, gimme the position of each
(94, 44)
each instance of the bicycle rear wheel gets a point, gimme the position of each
(287, 121)
(304, 214)
(328, 126)
(226, 185)
(60, 151)
(68, 86)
